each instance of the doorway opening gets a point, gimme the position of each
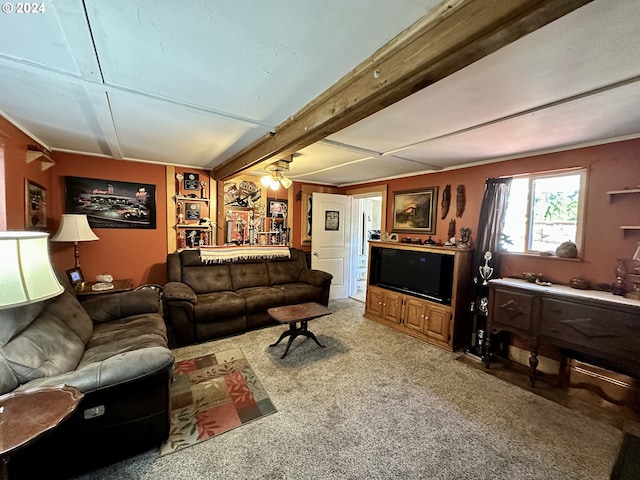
(365, 225)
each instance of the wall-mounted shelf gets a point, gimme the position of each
(191, 199)
(46, 161)
(194, 227)
(613, 193)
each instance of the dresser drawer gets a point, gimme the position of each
(511, 309)
(597, 329)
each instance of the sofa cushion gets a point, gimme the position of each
(131, 333)
(207, 278)
(283, 272)
(259, 299)
(108, 308)
(300, 293)
(51, 343)
(245, 275)
(217, 306)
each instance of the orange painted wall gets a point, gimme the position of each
(124, 253)
(611, 167)
(141, 254)
(16, 170)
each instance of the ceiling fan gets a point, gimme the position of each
(276, 177)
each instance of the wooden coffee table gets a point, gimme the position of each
(292, 314)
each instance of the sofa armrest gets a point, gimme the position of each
(317, 278)
(105, 308)
(177, 291)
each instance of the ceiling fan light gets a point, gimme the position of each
(266, 180)
(274, 185)
(286, 182)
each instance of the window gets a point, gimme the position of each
(544, 210)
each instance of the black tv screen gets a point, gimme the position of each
(424, 274)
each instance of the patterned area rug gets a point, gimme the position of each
(211, 395)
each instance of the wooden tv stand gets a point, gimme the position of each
(597, 324)
(443, 325)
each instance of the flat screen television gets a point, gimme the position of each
(422, 274)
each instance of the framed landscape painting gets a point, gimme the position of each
(414, 211)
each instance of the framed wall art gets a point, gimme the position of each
(332, 220)
(277, 208)
(35, 206)
(192, 211)
(414, 211)
(191, 181)
(111, 204)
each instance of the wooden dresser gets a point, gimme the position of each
(601, 325)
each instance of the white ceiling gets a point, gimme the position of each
(192, 83)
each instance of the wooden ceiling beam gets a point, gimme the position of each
(456, 34)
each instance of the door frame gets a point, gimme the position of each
(357, 194)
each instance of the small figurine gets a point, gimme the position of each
(465, 237)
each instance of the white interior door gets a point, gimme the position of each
(330, 231)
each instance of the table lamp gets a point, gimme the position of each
(74, 228)
(26, 275)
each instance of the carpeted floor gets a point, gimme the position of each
(378, 404)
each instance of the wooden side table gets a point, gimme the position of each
(27, 414)
(86, 291)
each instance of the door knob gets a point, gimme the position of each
(315, 253)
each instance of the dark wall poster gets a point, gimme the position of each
(111, 204)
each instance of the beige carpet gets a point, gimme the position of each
(378, 404)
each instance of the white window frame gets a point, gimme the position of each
(531, 177)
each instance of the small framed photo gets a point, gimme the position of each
(191, 181)
(75, 277)
(277, 208)
(332, 220)
(192, 211)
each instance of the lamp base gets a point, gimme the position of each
(76, 254)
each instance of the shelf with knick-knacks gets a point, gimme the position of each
(626, 191)
(193, 226)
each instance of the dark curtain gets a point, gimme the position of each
(492, 216)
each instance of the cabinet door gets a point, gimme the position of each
(375, 299)
(392, 306)
(438, 320)
(414, 314)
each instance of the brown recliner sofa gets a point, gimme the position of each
(114, 349)
(207, 301)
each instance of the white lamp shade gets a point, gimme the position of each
(74, 228)
(26, 275)
(286, 182)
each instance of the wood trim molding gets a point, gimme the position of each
(456, 34)
(171, 208)
(376, 189)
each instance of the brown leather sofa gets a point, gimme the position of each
(207, 301)
(114, 349)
